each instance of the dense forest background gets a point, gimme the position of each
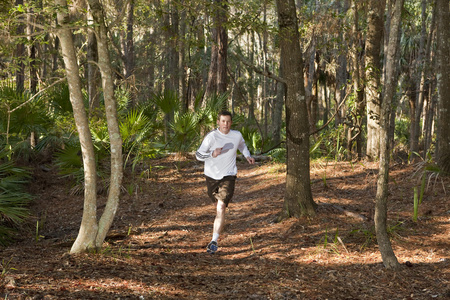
(84, 82)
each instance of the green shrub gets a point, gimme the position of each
(13, 199)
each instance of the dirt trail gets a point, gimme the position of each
(156, 249)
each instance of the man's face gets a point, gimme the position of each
(224, 124)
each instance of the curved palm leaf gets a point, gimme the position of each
(13, 199)
(185, 132)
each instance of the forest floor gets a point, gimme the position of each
(156, 247)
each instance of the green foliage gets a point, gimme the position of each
(252, 138)
(207, 115)
(330, 243)
(185, 132)
(13, 199)
(401, 132)
(416, 205)
(329, 144)
(33, 117)
(70, 163)
(167, 102)
(368, 234)
(182, 128)
(278, 155)
(5, 267)
(137, 130)
(58, 98)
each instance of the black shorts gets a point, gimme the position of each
(222, 189)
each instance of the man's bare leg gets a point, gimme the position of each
(220, 219)
(218, 226)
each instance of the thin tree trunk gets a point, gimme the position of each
(298, 199)
(129, 45)
(341, 69)
(358, 84)
(311, 98)
(116, 175)
(424, 88)
(33, 78)
(217, 75)
(55, 55)
(20, 54)
(443, 85)
(222, 43)
(374, 43)
(93, 75)
(182, 67)
(172, 42)
(88, 229)
(418, 79)
(389, 259)
(278, 107)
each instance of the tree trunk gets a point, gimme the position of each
(93, 75)
(217, 75)
(88, 229)
(222, 43)
(20, 54)
(418, 80)
(341, 69)
(129, 45)
(443, 85)
(33, 78)
(172, 43)
(298, 199)
(311, 97)
(374, 43)
(211, 85)
(278, 107)
(116, 175)
(384, 243)
(358, 84)
(424, 88)
(182, 67)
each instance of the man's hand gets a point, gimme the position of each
(250, 160)
(216, 152)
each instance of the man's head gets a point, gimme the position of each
(224, 121)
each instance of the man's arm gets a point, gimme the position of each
(244, 150)
(204, 151)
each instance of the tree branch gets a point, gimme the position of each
(257, 70)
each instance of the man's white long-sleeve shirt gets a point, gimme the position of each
(225, 163)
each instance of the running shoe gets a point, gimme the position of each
(212, 247)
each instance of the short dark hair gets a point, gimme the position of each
(224, 113)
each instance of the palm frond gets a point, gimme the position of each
(167, 101)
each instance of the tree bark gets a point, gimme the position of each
(88, 229)
(341, 69)
(278, 108)
(418, 79)
(389, 259)
(298, 199)
(93, 75)
(33, 71)
(20, 54)
(222, 43)
(172, 25)
(425, 88)
(358, 85)
(443, 85)
(374, 43)
(217, 75)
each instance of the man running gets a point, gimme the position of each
(218, 150)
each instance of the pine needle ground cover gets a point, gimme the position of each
(156, 249)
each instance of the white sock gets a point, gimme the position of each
(215, 237)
